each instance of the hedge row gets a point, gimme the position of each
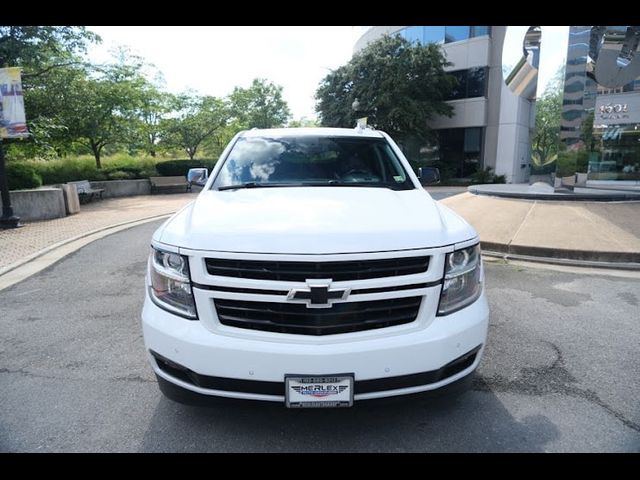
(172, 168)
(22, 176)
(32, 174)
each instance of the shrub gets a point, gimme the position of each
(172, 168)
(119, 175)
(487, 176)
(68, 169)
(499, 179)
(22, 175)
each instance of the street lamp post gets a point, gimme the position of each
(8, 219)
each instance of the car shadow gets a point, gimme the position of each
(474, 421)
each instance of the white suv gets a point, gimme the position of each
(313, 269)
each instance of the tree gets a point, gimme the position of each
(154, 108)
(38, 50)
(43, 52)
(545, 141)
(399, 86)
(259, 106)
(303, 122)
(548, 111)
(198, 119)
(99, 106)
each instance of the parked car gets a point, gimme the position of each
(314, 270)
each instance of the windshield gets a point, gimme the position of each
(312, 161)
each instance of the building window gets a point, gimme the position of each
(476, 82)
(471, 83)
(457, 152)
(413, 34)
(433, 34)
(441, 34)
(479, 31)
(460, 89)
(455, 34)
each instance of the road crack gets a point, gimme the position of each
(546, 380)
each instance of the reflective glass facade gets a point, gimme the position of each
(437, 34)
(600, 126)
(587, 105)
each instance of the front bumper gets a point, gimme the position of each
(388, 364)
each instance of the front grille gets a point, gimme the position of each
(302, 271)
(297, 318)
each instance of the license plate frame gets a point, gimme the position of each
(323, 391)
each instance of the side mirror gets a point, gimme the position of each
(198, 176)
(428, 175)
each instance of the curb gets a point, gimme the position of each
(617, 196)
(562, 261)
(618, 259)
(13, 270)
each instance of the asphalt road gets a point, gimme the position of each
(561, 373)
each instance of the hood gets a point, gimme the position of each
(317, 220)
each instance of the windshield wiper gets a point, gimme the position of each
(266, 185)
(328, 183)
(253, 185)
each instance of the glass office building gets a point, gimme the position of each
(459, 148)
(599, 129)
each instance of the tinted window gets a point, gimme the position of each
(413, 34)
(476, 82)
(477, 31)
(471, 83)
(454, 34)
(433, 34)
(460, 89)
(313, 161)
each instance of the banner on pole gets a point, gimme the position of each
(12, 119)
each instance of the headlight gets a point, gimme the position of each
(170, 283)
(462, 279)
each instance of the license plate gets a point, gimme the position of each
(326, 391)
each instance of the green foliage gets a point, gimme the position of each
(259, 106)
(69, 169)
(152, 112)
(399, 86)
(22, 176)
(41, 51)
(36, 48)
(546, 141)
(303, 122)
(199, 119)
(74, 107)
(120, 175)
(103, 107)
(571, 162)
(172, 168)
(487, 176)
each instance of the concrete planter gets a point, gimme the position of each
(123, 188)
(38, 204)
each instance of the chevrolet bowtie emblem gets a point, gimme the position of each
(318, 294)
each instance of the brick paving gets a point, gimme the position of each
(18, 243)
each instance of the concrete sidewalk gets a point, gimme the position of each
(586, 231)
(20, 244)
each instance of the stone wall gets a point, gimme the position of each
(38, 204)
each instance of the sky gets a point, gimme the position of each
(213, 60)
